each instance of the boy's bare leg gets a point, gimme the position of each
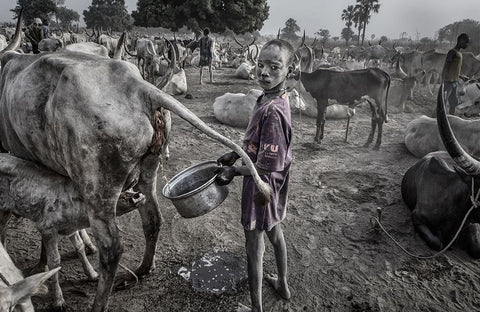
(255, 247)
(210, 72)
(280, 284)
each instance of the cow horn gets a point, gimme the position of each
(469, 164)
(15, 43)
(127, 50)
(119, 48)
(303, 40)
(278, 34)
(238, 42)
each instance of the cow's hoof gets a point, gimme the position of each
(376, 147)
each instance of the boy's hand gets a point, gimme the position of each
(228, 159)
(225, 175)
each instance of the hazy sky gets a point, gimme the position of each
(395, 16)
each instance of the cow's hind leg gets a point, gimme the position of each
(101, 214)
(90, 247)
(150, 215)
(425, 232)
(372, 133)
(50, 242)
(379, 134)
(321, 108)
(79, 246)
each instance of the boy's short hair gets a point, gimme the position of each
(283, 44)
(463, 36)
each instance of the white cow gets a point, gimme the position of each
(234, 109)
(15, 291)
(422, 136)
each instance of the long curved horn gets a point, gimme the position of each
(238, 42)
(119, 48)
(166, 79)
(309, 63)
(15, 43)
(253, 41)
(160, 99)
(127, 50)
(303, 40)
(278, 34)
(469, 164)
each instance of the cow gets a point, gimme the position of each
(235, 109)
(50, 44)
(470, 106)
(51, 201)
(433, 62)
(422, 136)
(87, 47)
(411, 61)
(375, 53)
(346, 88)
(437, 190)
(15, 291)
(470, 65)
(99, 123)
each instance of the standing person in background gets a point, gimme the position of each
(206, 54)
(46, 30)
(268, 142)
(451, 71)
(34, 34)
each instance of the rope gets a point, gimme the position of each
(475, 204)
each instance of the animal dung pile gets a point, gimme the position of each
(217, 272)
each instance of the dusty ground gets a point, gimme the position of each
(336, 261)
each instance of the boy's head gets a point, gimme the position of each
(275, 62)
(463, 40)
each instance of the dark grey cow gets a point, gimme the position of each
(347, 88)
(437, 190)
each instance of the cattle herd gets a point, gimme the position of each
(98, 107)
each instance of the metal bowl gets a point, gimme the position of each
(194, 191)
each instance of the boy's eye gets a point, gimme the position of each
(274, 67)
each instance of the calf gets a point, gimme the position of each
(15, 291)
(51, 201)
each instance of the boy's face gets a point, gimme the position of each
(272, 67)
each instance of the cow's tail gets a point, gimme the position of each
(158, 99)
(386, 96)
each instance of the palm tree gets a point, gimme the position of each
(365, 9)
(348, 15)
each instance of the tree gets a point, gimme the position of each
(35, 8)
(218, 15)
(324, 35)
(108, 14)
(347, 34)
(450, 32)
(290, 30)
(365, 9)
(66, 16)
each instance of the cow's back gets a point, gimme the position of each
(64, 108)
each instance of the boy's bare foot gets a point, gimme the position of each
(242, 308)
(282, 290)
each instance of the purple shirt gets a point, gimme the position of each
(268, 144)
